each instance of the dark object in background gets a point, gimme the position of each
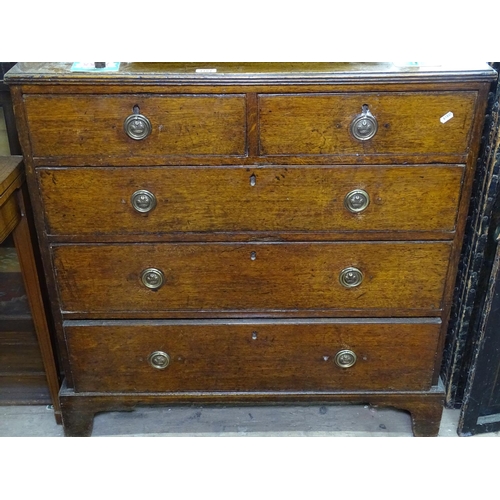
(481, 407)
(472, 357)
(461, 335)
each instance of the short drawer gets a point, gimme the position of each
(406, 123)
(133, 201)
(88, 125)
(250, 277)
(179, 356)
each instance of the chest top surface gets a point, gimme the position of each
(250, 72)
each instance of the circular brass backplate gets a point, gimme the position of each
(364, 126)
(345, 358)
(143, 201)
(351, 277)
(152, 278)
(357, 200)
(137, 126)
(159, 360)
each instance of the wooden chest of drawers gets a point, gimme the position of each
(256, 234)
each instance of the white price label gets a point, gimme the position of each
(206, 70)
(447, 117)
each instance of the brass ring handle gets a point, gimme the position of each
(345, 358)
(143, 201)
(159, 360)
(137, 126)
(351, 277)
(357, 201)
(152, 278)
(365, 125)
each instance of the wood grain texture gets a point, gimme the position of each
(9, 217)
(407, 123)
(11, 178)
(90, 125)
(250, 357)
(292, 125)
(11, 168)
(93, 202)
(281, 277)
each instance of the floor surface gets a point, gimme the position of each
(326, 421)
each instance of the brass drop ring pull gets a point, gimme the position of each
(357, 201)
(345, 358)
(351, 277)
(152, 278)
(137, 126)
(159, 360)
(143, 201)
(365, 125)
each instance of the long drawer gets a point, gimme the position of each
(135, 201)
(251, 277)
(252, 356)
(85, 125)
(405, 123)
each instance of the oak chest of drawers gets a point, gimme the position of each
(261, 233)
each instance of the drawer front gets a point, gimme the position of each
(87, 125)
(408, 123)
(250, 277)
(92, 201)
(262, 356)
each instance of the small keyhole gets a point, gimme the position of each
(254, 335)
(136, 109)
(253, 180)
(253, 255)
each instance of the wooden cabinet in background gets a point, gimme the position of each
(23, 377)
(28, 370)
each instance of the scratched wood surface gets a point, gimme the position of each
(97, 201)
(93, 125)
(246, 356)
(407, 123)
(251, 277)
